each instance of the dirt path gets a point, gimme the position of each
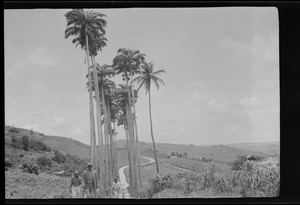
(123, 177)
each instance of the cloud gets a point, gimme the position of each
(234, 46)
(249, 102)
(38, 85)
(77, 131)
(216, 106)
(259, 47)
(41, 57)
(57, 120)
(38, 57)
(34, 126)
(265, 47)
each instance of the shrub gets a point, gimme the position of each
(238, 163)
(59, 157)
(13, 130)
(16, 142)
(25, 143)
(44, 161)
(8, 163)
(38, 146)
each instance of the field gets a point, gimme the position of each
(19, 185)
(149, 171)
(212, 178)
(253, 180)
(198, 166)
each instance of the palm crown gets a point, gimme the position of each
(127, 60)
(81, 23)
(147, 76)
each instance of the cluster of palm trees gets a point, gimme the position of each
(115, 105)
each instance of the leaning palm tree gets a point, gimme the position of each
(86, 26)
(147, 75)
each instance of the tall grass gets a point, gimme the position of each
(248, 182)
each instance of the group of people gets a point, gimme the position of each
(87, 186)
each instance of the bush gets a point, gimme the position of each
(13, 130)
(25, 143)
(238, 163)
(8, 163)
(16, 142)
(44, 161)
(37, 145)
(59, 157)
(31, 168)
(249, 181)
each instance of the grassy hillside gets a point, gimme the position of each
(218, 153)
(19, 185)
(271, 148)
(63, 144)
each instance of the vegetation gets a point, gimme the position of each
(44, 161)
(147, 75)
(59, 157)
(13, 130)
(250, 181)
(197, 166)
(20, 185)
(25, 143)
(241, 160)
(38, 145)
(113, 106)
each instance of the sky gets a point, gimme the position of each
(222, 73)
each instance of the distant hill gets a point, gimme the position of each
(62, 144)
(271, 148)
(221, 153)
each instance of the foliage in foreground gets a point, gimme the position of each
(251, 181)
(19, 185)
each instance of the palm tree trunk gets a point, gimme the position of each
(132, 142)
(99, 127)
(111, 140)
(154, 150)
(106, 134)
(92, 120)
(116, 151)
(128, 152)
(137, 138)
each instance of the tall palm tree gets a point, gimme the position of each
(121, 96)
(86, 26)
(127, 62)
(99, 75)
(148, 76)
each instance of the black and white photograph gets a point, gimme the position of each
(142, 103)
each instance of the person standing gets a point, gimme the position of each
(116, 188)
(75, 185)
(90, 179)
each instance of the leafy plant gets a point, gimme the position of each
(44, 161)
(25, 143)
(13, 130)
(37, 145)
(59, 157)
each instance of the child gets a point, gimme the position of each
(116, 188)
(75, 185)
(122, 190)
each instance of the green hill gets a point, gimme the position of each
(62, 144)
(221, 153)
(271, 148)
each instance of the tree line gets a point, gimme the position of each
(115, 104)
